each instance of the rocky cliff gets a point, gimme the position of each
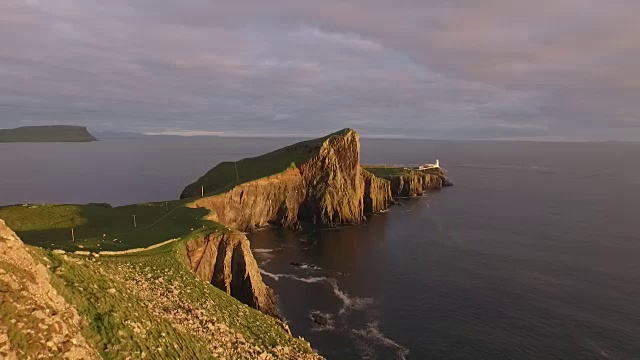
(271, 200)
(324, 185)
(319, 182)
(35, 321)
(225, 260)
(377, 193)
(333, 182)
(416, 183)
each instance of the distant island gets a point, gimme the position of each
(51, 133)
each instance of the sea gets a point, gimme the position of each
(533, 254)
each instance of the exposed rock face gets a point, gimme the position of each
(225, 259)
(272, 200)
(327, 189)
(377, 193)
(333, 181)
(414, 184)
(36, 321)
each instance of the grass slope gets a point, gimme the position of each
(150, 305)
(226, 175)
(102, 227)
(53, 133)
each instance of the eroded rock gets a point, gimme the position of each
(48, 326)
(225, 260)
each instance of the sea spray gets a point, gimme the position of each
(372, 334)
(348, 302)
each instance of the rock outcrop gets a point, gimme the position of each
(333, 182)
(377, 193)
(319, 182)
(416, 183)
(225, 260)
(272, 200)
(35, 321)
(327, 188)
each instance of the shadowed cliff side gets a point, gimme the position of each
(35, 321)
(377, 193)
(225, 260)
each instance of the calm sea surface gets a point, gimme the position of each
(534, 254)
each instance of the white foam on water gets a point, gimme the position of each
(262, 251)
(372, 334)
(277, 277)
(348, 302)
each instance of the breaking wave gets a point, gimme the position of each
(348, 302)
(262, 251)
(372, 334)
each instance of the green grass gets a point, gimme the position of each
(385, 171)
(225, 176)
(150, 302)
(102, 227)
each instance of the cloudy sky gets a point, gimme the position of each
(509, 69)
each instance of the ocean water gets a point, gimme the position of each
(533, 254)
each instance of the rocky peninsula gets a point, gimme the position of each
(162, 264)
(317, 182)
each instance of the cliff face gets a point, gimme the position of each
(249, 206)
(35, 321)
(377, 193)
(319, 181)
(333, 181)
(326, 188)
(225, 260)
(414, 184)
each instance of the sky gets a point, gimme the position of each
(456, 69)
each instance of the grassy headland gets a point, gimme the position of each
(384, 171)
(225, 176)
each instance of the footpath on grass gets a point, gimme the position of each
(117, 253)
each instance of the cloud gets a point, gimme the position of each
(428, 68)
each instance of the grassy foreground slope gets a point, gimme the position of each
(149, 305)
(51, 133)
(102, 227)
